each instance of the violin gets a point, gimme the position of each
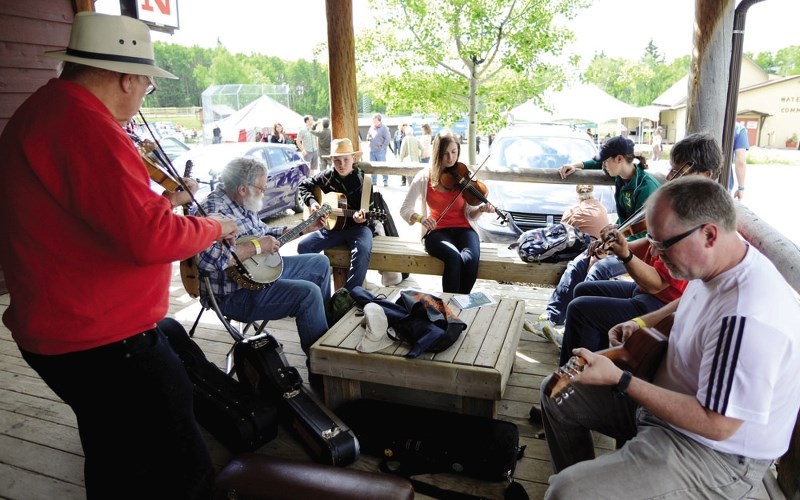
(155, 165)
(472, 190)
(636, 223)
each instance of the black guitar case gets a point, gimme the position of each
(225, 407)
(260, 364)
(414, 440)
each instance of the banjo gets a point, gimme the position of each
(263, 269)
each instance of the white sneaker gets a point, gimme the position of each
(553, 334)
(540, 324)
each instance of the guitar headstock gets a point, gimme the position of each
(560, 385)
(375, 215)
(187, 171)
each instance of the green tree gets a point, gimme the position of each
(785, 62)
(452, 57)
(636, 82)
(180, 61)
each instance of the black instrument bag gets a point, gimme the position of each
(413, 440)
(226, 408)
(260, 364)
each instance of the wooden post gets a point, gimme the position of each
(342, 70)
(83, 5)
(708, 75)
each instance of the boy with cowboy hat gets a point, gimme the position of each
(89, 326)
(348, 182)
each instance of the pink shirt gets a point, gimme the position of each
(590, 216)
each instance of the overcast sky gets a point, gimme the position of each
(620, 28)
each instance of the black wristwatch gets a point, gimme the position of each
(626, 259)
(621, 388)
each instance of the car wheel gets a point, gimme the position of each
(298, 203)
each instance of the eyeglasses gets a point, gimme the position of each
(662, 246)
(680, 172)
(262, 190)
(151, 86)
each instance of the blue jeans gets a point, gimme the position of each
(597, 307)
(460, 250)
(133, 403)
(357, 238)
(578, 271)
(378, 156)
(300, 292)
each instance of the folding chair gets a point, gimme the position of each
(191, 276)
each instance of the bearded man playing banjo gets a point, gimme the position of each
(300, 284)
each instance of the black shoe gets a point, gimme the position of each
(535, 416)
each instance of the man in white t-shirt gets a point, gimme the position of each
(725, 398)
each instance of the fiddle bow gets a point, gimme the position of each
(465, 183)
(240, 269)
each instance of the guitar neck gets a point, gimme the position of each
(295, 231)
(347, 212)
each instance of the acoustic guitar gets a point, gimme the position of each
(341, 217)
(640, 354)
(263, 269)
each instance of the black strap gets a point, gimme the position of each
(436, 492)
(514, 490)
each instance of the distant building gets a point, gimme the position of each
(768, 107)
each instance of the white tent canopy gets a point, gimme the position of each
(584, 102)
(259, 114)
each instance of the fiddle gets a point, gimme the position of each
(636, 223)
(472, 190)
(155, 165)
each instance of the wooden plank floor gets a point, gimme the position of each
(41, 456)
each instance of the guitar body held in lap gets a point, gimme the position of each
(640, 354)
(341, 217)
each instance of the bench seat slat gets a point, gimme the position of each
(390, 253)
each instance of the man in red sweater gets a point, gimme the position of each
(87, 254)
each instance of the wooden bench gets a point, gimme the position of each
(468, 377)
(390, 253)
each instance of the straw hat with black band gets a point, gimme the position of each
(114, 43)
(342, 147)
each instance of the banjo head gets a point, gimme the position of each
(265, 267)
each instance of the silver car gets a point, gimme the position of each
(531, 204)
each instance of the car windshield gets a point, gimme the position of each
(539, 152)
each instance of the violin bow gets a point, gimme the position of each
(174, 172)
(460, 192)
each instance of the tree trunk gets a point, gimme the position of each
(473, 110)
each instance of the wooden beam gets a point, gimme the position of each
(342, 70)
(83, 5)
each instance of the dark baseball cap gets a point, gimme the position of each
(618, 145)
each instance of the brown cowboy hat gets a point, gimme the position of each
(342, 147)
